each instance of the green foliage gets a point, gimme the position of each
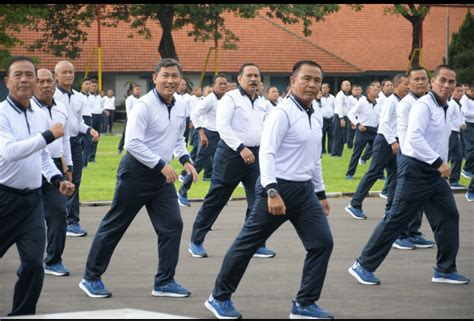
(461, 50)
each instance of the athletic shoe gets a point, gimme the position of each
(197, 250)
(311, 311)
(181, 178)
(349, 177)
(362, 162)
(183, 200)
(356, 213)
(470, 196)
(94, 289)
(451, 278)
(456, 185)
(75, 230)
(57, 269)
(171, 289)
(382, 195)
(264, 252)
(403, 244)
(363, 275)
(222, 309)
(420, 242)
(467, 174)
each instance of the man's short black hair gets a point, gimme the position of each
(168, 62)
(438, 69)
(297, 66)
(219, 75)
(17, 59)
(242, 67)
(416, 69)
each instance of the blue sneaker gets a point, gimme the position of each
(356, 213)
(197, 250)
(171, 289)
(94, 289)
(183, 201)
(75, 230)
(349, 177)
(420, 242)
(467, 174)
(451, 278)
(57, 269)
(362, 275)
(264, 252)
(222, 309)
(470, 196)
(311, 311)
(403, 244)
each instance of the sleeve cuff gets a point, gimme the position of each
(185, 158)
(160, 165)
(70, 168)
(57, 179)
(321, 195)
(437, 163)
(48, 137)
(88, 132)
(270, 186)
(241, 146)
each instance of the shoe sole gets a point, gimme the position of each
(356, 217)
(299, 316)
(421, 246)
(448, 281)
(169, 294)
(383, 196)
(75, 234)
(402, 247)
(457, 187)
(95, 296)
(264, 256)
(469, 200)
(465, 175)
(358, 278)
(196, 255)
(183, 205)
(216, 314)
(56, 273)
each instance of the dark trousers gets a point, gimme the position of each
(350, 134)
(108, 121)
(328, 131)
(87, 142)
(122, 139)
(204, 157)
(186, 130)
(138, 186)
(455, 156)
(304, 211)
(367, 153)
(339, 136)
(418, 185)
(195, 142)
(73, 201)
(97, 125)
(468, 135)
(361, 140)
(22, 223)
(228, 170)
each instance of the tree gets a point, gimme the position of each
(461, 50)
(415, 15)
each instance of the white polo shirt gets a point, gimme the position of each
(365, 112)
(24, 157)
(388, 118)
(129, 102)
(328, 105)
(87, 109)
(57, 113)
(109, 102)
(155, 129)
(454, 113)
(204, 114)
(428, 131)
(403, 111)
(239, 121)
(467, 108)
(342, 104)
(75, 105)
(291, 145)
(96, 104)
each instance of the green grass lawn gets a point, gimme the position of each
(98, 180)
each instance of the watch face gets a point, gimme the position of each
(272, 193)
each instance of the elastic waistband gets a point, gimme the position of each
(25, 191)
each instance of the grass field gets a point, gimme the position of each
(98, 180)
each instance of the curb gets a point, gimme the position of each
(329, 195)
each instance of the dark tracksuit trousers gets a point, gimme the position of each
(204, 157)
(339, 136)
(87, 145)
(22, 223)
(228, 170)
(138, 186)
(361, 140)
(122, 139)
(418, 185)
(97, 125)
(55, 214)
(455, 156)
(350, 134)
(304, 211)
(73, 201)
(328, 131)
(468, 135)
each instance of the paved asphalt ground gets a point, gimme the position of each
(269, 285)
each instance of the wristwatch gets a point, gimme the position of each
(272, 192)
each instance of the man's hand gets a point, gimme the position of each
(326, 207)
(276, 205)
(395, 146)
(247, 156)
(203, 137)
(445, 170)
(342, 122)
(69, 176)
(190, 170)
(362, 128)
(169, 173)
(95, 135)
(67, 188)
(57, 130)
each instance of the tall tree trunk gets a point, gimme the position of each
(166, 47)
(417, 26)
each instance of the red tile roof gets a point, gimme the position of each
(346, 42)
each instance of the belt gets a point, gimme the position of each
(25, 191)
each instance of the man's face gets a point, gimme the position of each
(250, 79)
(325, 89)
(418, 82)
(403, 87)
(388, 88)
(273, 94)
(306, 84)
(182, 87)
(356, 91)
(457, 93)
(110, 93)
(65, 75)
(93, 87)
(373, 92)
(137, 91)
(444, 83)
(86, 86)
(346, 86)
(198, 92)
(21, 80)
(167, 81)
(231, 86)
(45, 86)
(220, 86)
